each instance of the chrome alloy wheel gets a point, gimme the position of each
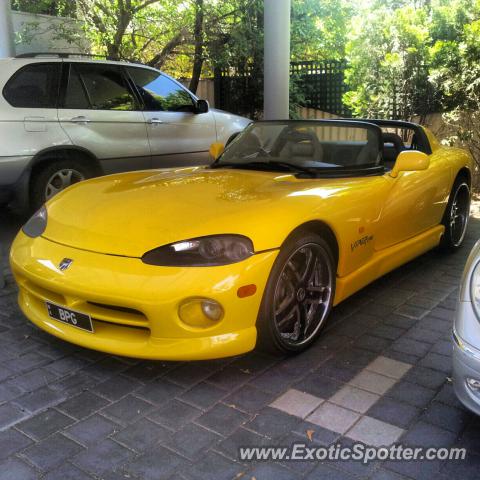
(303, 294)
(61, 180)
(459, 214)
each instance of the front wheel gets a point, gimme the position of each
(456, 216)
(298, 296)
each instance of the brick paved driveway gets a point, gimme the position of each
(380, 374)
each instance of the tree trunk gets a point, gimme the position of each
(159, 59)
(198, 39)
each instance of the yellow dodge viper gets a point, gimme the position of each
(254, 249)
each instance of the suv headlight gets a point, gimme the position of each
(37, 223)
(201, 252)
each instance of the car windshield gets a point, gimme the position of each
(325, 147)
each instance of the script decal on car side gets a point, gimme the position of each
(361, 242)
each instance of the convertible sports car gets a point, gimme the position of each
(207, 262)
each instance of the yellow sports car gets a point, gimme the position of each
(208, 262)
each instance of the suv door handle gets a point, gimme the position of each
(154, 121)
(80, 119)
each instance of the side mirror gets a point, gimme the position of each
(216, 149)
(410, 161)
(201, 106)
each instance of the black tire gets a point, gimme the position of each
(48, 172)
(277, 339)
(455, 218)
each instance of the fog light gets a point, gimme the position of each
(212, 310)
(200, 312)
(474, 384)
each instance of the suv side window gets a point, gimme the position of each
(34, 86)
(159, 92)
(99, 87)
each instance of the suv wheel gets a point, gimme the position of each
(54, 177)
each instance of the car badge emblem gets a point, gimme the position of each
(65, 263)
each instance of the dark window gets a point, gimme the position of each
(76, 95)
(159, 92)
(105, 86)
(34, 86)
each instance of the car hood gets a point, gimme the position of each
(129, 214)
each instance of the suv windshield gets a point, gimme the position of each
(328, 147)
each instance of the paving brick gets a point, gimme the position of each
(412, 394)
(116, 387)
(411, 347)
(372, 382)
(274, 380)
(249, 399)
(128, 409)
(52, 451)
(44, 424)
(426, 435)
(12, 441)
(83, 405)
(272, 423)
(188, 374)
(388, 332)
(39, 399)
(372, 343)
(33, 379)
(141, 435)
(192, 441)
(374, 432)
(222, 419)
(9, 390)
(444, 416)
(337, 370)
(333, 417)
(67, 472)
(15, 469)
(425, 377)
(388, 367)
(214, 466)
(354, 399)
(158, 463)
(92, 430)
(411, 311)
(318, 385)
(175, 414)
(203, 395)
(272, 472)
(103, 457)
(437, 362)
(229, 378)
(394, 412)
(326, 472)
(318, 435)
(159, 391)
(297, 403)
(10, 414)
(241, 438)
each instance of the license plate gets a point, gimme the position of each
(70, 317)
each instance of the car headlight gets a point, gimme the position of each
(475, 289)
(37, 223)
(201, 252)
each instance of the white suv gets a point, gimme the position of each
(64, 119)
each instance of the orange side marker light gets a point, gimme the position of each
(246, 291)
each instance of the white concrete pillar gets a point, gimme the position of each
(276, 59)
(7, 46)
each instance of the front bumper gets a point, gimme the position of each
(133, 306)
(466, 365)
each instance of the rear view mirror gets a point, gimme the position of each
(216, 149)
(201, 106)
(410, 161)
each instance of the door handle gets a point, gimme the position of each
(155, 121)
(80, 119)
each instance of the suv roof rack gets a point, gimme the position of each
(68, 55)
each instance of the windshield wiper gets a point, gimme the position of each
(291, 167)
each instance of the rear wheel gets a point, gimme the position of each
(298, 296)
(53, 177)
(456, 215)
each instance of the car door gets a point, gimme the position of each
(414, 203)
(178, 135)
(101, 114)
